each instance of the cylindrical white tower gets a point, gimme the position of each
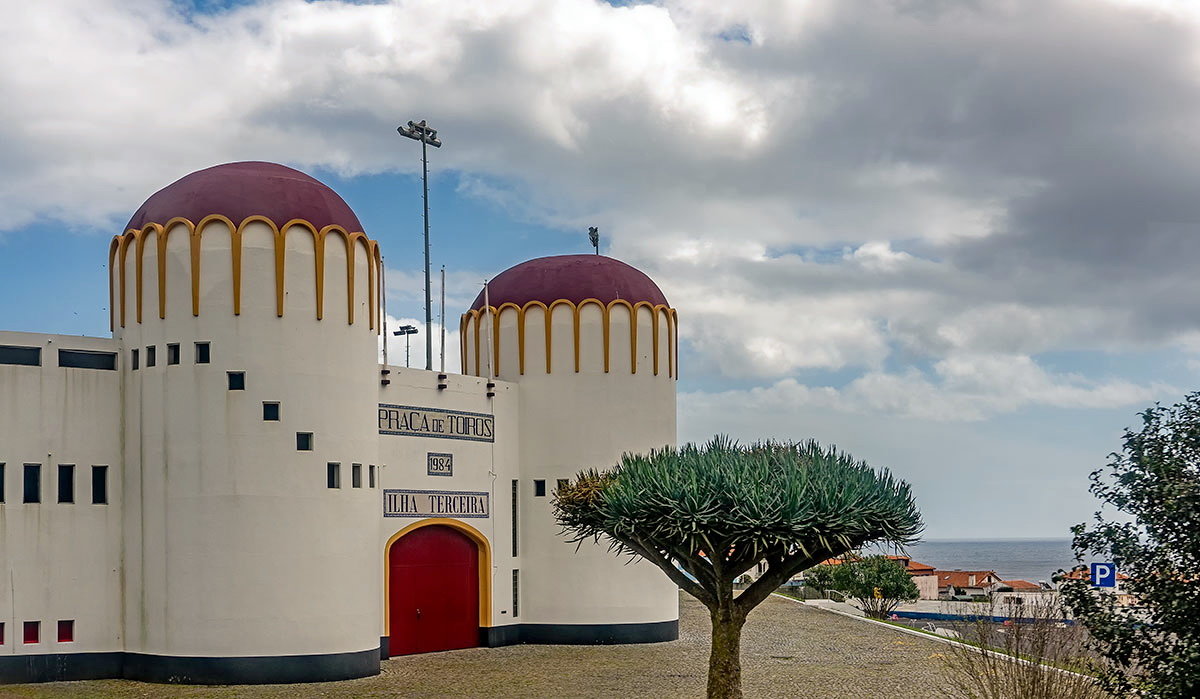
(592, 342)
(245, 300)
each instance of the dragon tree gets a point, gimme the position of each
(707, 514)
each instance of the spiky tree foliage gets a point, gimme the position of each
(877, 583)
(707, 514)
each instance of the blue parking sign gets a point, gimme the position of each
(1104, 575)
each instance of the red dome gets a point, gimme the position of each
(571, 277)
(240, 190)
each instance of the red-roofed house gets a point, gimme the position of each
(958, 583)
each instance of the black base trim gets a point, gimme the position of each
(277, 669)
(60, 667)
(598, 634)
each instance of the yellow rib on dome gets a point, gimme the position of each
(119, 250)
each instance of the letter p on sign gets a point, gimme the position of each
(1104, 575)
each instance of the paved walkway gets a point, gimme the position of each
(788, 650)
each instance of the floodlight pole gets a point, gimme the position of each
(419, 131)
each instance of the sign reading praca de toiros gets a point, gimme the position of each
(434, 503)
(412, 421)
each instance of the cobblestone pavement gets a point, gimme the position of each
(788, 650)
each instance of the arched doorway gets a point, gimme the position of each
(433, 591)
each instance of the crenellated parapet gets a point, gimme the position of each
(565, 336)
(131, 281)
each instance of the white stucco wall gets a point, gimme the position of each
(60, 561)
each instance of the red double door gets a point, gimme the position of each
(433, 595)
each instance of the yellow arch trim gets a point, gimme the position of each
(281, 256)
(485, 567)
(673, 338)
(113, 248)
(130, 235)
(472, 320)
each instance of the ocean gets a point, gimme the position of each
(1012, 559)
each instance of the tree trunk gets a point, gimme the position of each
(725, 659)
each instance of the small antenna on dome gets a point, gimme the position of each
(594, 236)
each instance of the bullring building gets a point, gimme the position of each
(234, 489)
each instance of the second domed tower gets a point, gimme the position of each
(593, 344)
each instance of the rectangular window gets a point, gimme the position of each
(1, 482)
(151, 356)
(66, 483)
(66, 631)
(237, 380)
(304, 441)
(371, 476)
(21, 356)
(33, 483)
(133, 360)
(356, 475)
(173, 353)
(203, 353)
(87, 359)
(1, 633)
(99, 485)
(515, 537)
(270, 412)
(333, 475)
(516, 592)
(32, 631)
(539, 488)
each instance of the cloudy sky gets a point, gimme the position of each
(957, 239)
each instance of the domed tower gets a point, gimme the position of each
(592, 342)
(245, 301)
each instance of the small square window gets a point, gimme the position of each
(370, 476)
(202, 353)
(33, 483)
(66, 483)
(66, 631)
(539, 488)
(237, 380)
(32, 631)
(270, 412)
(304, 441)
(99, 485)
(333, 475)
(133, 359)
(151, 356)
(173, 353)
(356, 475)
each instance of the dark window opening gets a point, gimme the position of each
(99, 485)
(21, 356)
(1, 633)
(514, 521)
(516, 592)
(1, 482)
(203, 353)
(66, 483)
(271, 412)
(371, 476)
(173, 353)
(539, 488)
(333, 475)
(133, 360)
(32, 631)
(355, 475)
(33, 483)
(237, 380)
(151, 356)
(66, 631)
(304, 441)
(87, 359)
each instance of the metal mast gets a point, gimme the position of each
(419, 131)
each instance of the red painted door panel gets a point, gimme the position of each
(434, 591)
